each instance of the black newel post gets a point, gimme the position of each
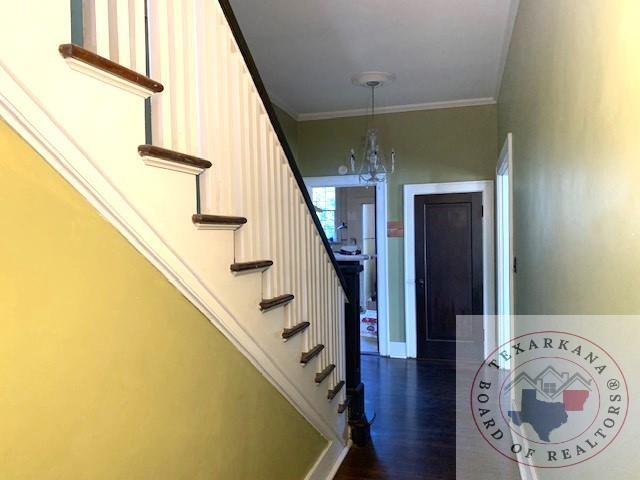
(358, 422)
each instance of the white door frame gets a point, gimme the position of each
(488, 265)
(381, 247)
(505, 167)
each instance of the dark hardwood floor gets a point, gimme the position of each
(413, 436)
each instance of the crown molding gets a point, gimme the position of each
(471, 102)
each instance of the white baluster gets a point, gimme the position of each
(160, 68)
(89, 25)
(325, 303)
(123, 39)
(342, 337)
(177, 67)
(267, 176)
(315, 275)
(308, 288)
(113, 30)
(323, 299)
(303, 284)
(138, 36)
(297, 313)
(319, 293)
(243, 189)
(223, 151)
(284, 246)
(332, 318)
(309, 277)
(338, 338)
(294, 265)
(237, 137)
(254, 175)
(275, 214)
(336, 323)
(102, 14)
(191, 57)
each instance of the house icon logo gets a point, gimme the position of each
(544, 401)
(549, 399)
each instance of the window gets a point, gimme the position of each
(324, 199)
(549, 388)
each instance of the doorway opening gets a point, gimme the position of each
(504, 247)
(353, 217)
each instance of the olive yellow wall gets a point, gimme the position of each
(446, 145)
(290, 128)
(106, 371)
(571, 97)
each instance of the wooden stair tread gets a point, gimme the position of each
(76, 52)
(344, 405)
(290, 332)
(269, 303)
(172, 156)
(248, 266)
(335, 390)
(306, 357)
(320, 376)
(217, 222)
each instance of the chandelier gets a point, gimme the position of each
(373, 166)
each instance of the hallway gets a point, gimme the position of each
(413, 436)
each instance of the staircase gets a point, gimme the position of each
(171, 136)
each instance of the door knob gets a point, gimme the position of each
(420, 282)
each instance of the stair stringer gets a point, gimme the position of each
(133, 198)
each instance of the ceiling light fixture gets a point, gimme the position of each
(373, 167)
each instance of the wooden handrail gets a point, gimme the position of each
(275, 123)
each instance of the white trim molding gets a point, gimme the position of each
(221, 226)
(108, 78)
(410, 191)
(382, 247)
(504, 221)
(329, 461)
(170, 165)
(397, 349)
(470, 102)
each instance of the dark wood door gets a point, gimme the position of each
(448, 230)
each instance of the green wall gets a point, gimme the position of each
(445, 145)
(106, 370)
(571, 97)
(290, 127)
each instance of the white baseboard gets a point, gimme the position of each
(329, 461)
(397, 349)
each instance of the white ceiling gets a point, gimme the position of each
(440, 50)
